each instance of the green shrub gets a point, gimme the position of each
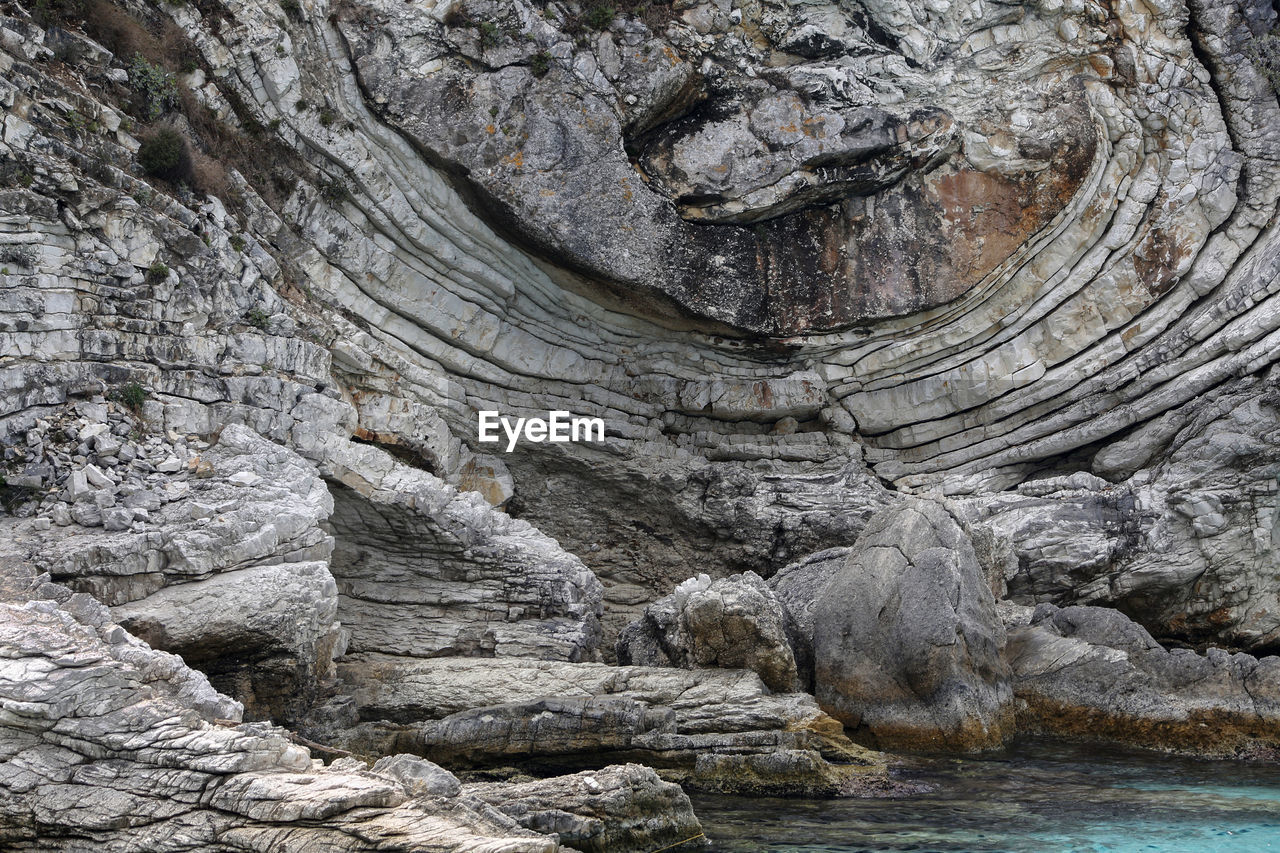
(327, 116)
(292, 8)
(600, 17)
(540, 64)
(155, 88)
(335, 191)
(237, 243)
(131, 396)
(157, 272)
(164, 154)
(59, 13)
(1264, 50)
(490, 35)
(257, 318)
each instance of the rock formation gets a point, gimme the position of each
(891, 310)
(710, 729)
(1090, 672)
(109, 744)
(907, 645)
(731, 623)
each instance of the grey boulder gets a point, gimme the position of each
(907, 642)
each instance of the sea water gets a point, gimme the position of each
(1035, 796)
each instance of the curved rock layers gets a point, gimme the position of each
(424, 570)
(1143, 281)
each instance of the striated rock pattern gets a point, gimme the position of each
(1187, 545)
(1062, 333)
(425, 570)
(710, 729)
(732, 623)
(225, 562)
(107, 744)
(804, 258)
(1090, 672)
(906, 640)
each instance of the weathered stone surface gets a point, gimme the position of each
(1069, 212)
(1186, 544)
(107, 744)
(907, 643)
(233, 578)
(419, 775)
(827, 168)
(1090, 672)
(798, 587)
(426, 570)
(732, 623)
(621, 807)
(553, 714)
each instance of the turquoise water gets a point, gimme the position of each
(1037, 796)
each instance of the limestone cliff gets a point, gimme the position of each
(1010, 267)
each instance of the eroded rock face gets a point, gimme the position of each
(1090, 672)
(711, 729)
(841, 185)
(907, 644)
(732, 623)
(1185, 543)
(118, 746)
(226, 565)
(426, 570)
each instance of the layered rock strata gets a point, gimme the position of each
(107, 744)
(223, 560)
(709, 729)
(425, 570)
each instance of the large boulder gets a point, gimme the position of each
(732, 623)
(1092, 672)
(907, 642)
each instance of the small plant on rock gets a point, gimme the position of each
(155, 88)
(335, 191)
(540, 64)
(132, 396)
(600, 17)
(257, 318)
(490, 35)
(157, 272)
(165, 154)
(1264, 50)
(22, 256)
